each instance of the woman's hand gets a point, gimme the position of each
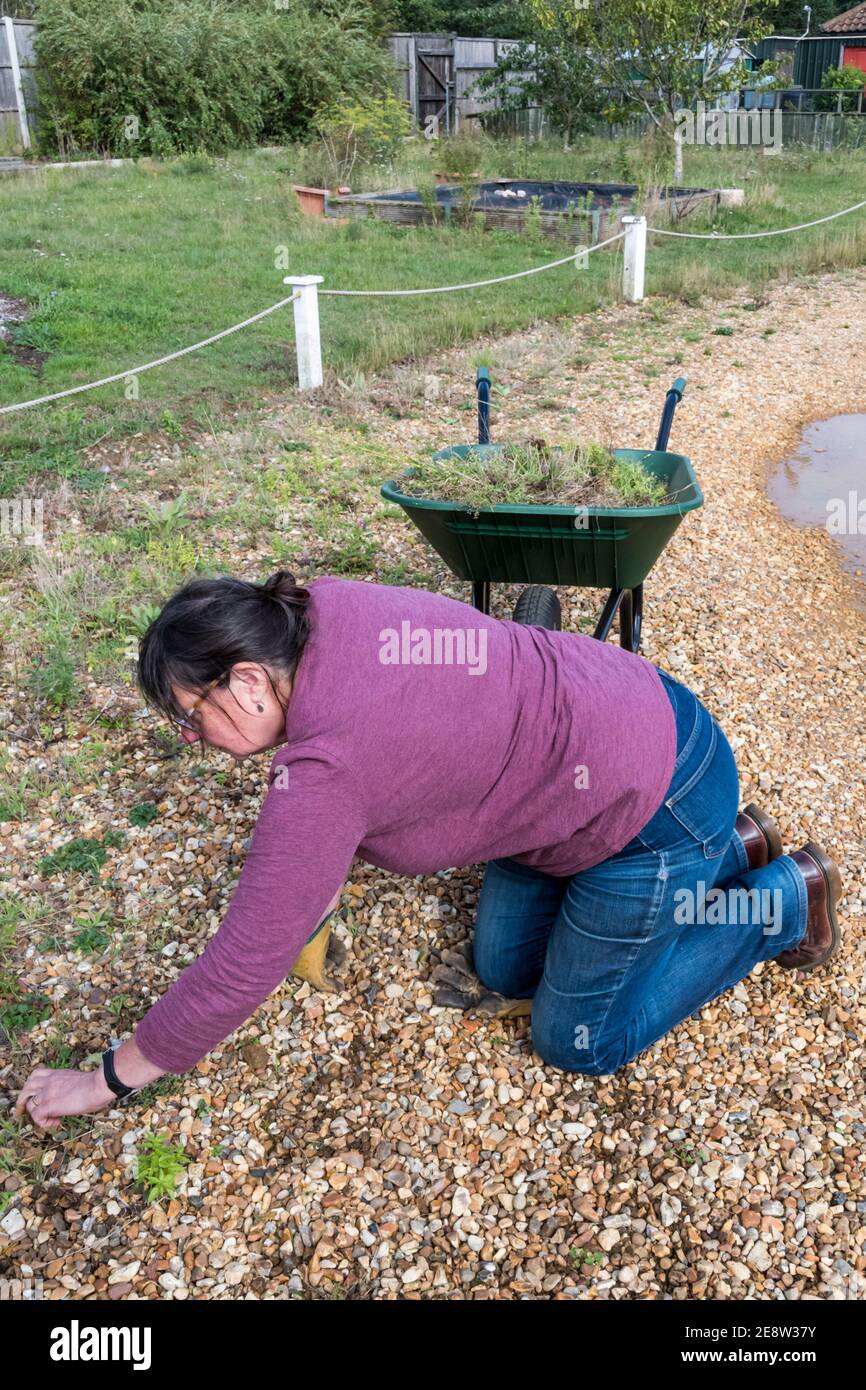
(50, 1093)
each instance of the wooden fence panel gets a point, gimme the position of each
(16, 127)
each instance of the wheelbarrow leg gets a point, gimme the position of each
(626, 625)
(608, 613)
(629, 604)
(481, 595)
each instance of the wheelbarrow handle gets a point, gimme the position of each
(672, 400)
(482, 390)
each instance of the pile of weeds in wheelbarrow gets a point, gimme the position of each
(585, 474)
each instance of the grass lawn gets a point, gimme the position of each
(122, 266)
(131, 264)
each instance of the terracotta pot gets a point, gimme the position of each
(312, 200)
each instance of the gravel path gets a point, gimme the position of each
(367, 1145)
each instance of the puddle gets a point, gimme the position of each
(823, 483)
(13, 312)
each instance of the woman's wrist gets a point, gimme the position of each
(102, 1092)
(131, 1068)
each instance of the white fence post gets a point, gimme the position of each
(308, 343)
(12, 45)
(634, 259)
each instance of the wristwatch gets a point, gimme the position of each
(111, 1078)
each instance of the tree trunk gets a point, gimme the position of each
(678, 159)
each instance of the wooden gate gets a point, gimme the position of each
(435, 88)
(439, 75)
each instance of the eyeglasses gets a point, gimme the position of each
(184, 723)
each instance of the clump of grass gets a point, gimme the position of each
(635, 485)
(583, 473)
(353, 552)
(12, 802)
(52, 676)
(81, 855)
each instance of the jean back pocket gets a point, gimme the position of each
(702, 799)
(704, 794)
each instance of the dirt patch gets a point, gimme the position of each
(12, 312)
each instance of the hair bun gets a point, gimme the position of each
(282, 587)
(281, 580)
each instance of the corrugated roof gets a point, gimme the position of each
(851, 22)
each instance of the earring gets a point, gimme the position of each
(260, 708)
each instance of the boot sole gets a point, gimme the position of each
(833, 879)
(768, 828)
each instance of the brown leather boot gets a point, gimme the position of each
(823, 889)
(760, 834)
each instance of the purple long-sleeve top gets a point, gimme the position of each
(422, 735)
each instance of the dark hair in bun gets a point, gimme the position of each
(210, 624)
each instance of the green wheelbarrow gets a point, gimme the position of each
(588, 547)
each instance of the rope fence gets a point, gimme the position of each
(752, 236)
(479, 284)
(148, 366)
(306, 292)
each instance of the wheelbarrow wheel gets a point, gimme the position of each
(538, 606)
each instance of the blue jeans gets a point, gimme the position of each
(616, 956)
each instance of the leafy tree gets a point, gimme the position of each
(657, 57)
(789, 16)
(494, 19)
(551, 71)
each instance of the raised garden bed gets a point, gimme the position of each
(582, 213)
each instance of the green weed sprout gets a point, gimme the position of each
(159, 1166)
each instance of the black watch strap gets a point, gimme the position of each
(111, 1077)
